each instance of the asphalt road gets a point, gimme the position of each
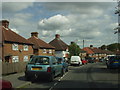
(92, 75)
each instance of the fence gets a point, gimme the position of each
(8, 68)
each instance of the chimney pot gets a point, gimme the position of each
(34, 34)
(4, 23)
(72, 42)
(57, 36)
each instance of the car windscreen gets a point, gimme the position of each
(114, 58)
(39, 60)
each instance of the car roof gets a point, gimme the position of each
(42, 56)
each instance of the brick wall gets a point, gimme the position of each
(7, 50)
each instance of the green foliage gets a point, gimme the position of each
(111, 47)
(103, 47)
(74, 49)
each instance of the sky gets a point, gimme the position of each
(93, 22)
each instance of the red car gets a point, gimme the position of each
(84, 61)
(5, 84)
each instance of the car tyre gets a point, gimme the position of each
(67, 70)
(51, 78)
(27, 77)
(62, 72)
(108, 67)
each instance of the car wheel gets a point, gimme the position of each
(62, 72)
(27, 77)
(51, 78)
(108, 67)
(67, 70)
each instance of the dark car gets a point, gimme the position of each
(90, 60)
(5, 84)
(113, 62)
(63, 62)
(43, 67)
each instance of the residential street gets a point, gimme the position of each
(92, 75)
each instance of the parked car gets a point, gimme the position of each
(43, 67)
(84, 61)
(5, 84)
(63, 62)
(75, 60)
(113, 62)
(101, 59)
(91, 60)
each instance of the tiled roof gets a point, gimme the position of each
(98, 51)
(38, 43)
(88, 50)
(117, 52)
(59, 44)
(10, 36)
(108, 52)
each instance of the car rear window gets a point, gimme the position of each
(39, 60)
(114, 58)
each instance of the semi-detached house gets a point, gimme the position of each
(61, 48)
(14, 48)
(40, 47)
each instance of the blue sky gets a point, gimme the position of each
(74, 21)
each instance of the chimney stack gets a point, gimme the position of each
(57, 36)
(91, 46)
(34, 34)
(72, 42)
(4, 23)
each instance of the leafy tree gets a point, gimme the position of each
(111, 47)
(74, 49)
(103, 47)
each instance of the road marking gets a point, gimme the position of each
(23, 85)
(58, 81)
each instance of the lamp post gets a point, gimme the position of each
(117, 11)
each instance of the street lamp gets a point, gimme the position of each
(118, 28)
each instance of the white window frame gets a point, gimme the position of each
(25, 58)
(44, 51)
(15, 58)
(25, 47)
(50, 51)
(15, 47)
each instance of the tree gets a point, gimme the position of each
(103, 47)
(111, 47)
(74, 49)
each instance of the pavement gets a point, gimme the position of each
(18, 80)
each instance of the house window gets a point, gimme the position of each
(15, 59)
(25, 58)
(14, 46)
(25, 47)
(50, 51)
(44, 51)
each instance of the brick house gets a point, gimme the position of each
(40, 47)
(97, 53)
(61, 48)
(15, 48)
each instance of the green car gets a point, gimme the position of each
(43, 67)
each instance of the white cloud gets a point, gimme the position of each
(56, 22)
(15, 6)
(89, 21)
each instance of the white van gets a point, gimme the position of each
(76, 60)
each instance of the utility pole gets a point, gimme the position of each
(83, 43)
(117, 11)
